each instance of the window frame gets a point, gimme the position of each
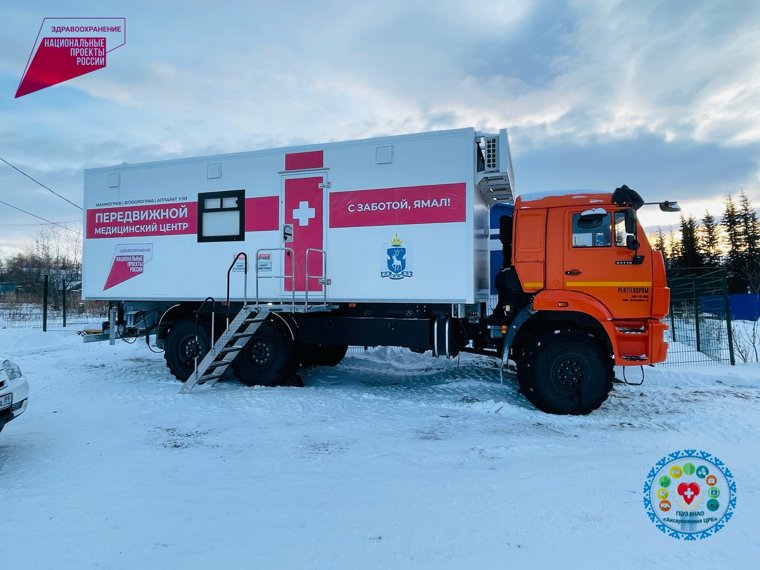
(574, 226)
(221, 195)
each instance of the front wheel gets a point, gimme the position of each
(185, 342)
(566, 373)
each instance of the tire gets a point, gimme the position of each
(182, 346)
(317, 354)
(269, 358)
(566, 373)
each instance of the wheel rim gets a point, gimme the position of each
(261, 353)
(190, 348)
(568, 374)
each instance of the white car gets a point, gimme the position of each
(14, 392)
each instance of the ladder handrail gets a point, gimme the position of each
(198, 314)
(323, 276)
(245, 281)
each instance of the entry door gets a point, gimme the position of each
(598, 263)
(303, 211)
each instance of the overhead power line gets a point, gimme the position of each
(37, 224)
(17, 169)
(40, 217)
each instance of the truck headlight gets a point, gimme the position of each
(11, 369)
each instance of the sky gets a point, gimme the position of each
(661, 96)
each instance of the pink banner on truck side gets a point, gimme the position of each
(262, 213)
(174, 218)
(436, 203)
(140, 221)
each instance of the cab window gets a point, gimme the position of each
(595, 234)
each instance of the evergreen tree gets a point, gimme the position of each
(735, 241)
(750, 234)
(659, 241)
(750, 229)
(709, 241)
(661, 244)
(674, 249)
(690, 255)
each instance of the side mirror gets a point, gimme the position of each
(630, 221)
(631, 243)
(667, 206)
(591, 219)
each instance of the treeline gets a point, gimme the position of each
(55, 253)
(731, 243)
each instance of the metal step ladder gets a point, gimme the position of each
(230, 343)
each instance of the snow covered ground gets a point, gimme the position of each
(391, 460)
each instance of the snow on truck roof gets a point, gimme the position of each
(563, 197)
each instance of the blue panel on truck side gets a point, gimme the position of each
(497, 211)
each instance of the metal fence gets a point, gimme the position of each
(701, 330)
(55, 308)
(700, 319)
(31, 315)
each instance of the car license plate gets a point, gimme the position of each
(6, 401)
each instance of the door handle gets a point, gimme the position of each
(287, 233)
(573, 272)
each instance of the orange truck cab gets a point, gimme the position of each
(580, 290)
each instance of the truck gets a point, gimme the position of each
(268, 260)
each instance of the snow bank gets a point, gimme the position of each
(390, 460)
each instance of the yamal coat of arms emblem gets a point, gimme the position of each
(396, 260)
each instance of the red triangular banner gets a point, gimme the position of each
(60, 59)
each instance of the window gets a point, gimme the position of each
(592, 230)
(221, 216)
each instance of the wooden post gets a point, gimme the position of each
(44, 303)
(63, 300)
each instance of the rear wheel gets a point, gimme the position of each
(184, 342)
(317, 354)
(269, 358)
(566, 373)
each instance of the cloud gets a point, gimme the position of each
(644, 163)
(697, 174)
(663, 95)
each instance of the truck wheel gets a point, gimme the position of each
(182, 347)
(317, 354)
(268, 359)
(566, 373)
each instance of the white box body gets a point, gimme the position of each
(399, 219)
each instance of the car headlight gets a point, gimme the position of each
(11, 369)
